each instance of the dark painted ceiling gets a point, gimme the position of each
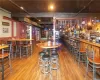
(62, 6)
(68, 6)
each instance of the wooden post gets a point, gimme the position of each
(54, 22)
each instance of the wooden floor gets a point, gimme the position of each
(27, 68)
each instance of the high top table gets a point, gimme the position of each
(46, 46)
(21, 40)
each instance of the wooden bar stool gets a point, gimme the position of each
(81, 54)
(93, 61)
(3, 56)
(76, 48)
(26, 49)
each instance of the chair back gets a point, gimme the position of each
(90, 53)
(77, 44)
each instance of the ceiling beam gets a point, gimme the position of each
(49, 23)
(57, 15)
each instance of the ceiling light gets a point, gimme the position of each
(89, 23)
(21, 7)
(51, 7)
(39, 20)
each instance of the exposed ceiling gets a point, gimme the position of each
(68, 6)
(62, 6)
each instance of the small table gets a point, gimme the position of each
(45, 45)
(1, 48)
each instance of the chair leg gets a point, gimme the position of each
(79, 59)
(2, 69)
(94, 72)
(31, 49)
(20, 52)
(10, 63)
(87, 65)
(27, 51)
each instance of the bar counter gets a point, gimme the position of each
(95, 46)
(84, 43)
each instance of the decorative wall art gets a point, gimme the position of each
(5, 30)
(5, 23)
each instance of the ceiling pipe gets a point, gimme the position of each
(84, 8)
(21, 9)
(18, 6)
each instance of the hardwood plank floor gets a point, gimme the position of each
(27, 68)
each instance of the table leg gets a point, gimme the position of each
(2, 64)
(31, 49)
(20, 51)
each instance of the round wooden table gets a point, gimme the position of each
(46, 46)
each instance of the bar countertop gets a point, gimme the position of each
(89, 42)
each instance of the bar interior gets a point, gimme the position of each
(49, 40)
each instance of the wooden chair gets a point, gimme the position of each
(81, 55)
(93, 61)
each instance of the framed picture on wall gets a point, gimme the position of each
(5, 30)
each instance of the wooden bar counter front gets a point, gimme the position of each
(95, 46)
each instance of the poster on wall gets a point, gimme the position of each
(5, 30)
(5, 23)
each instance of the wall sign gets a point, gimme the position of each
(5, 23)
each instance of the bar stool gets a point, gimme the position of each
(4, 56)
(11, 48)
(46, 63)
(81, 54)
(76, 49)
(40, 58)
(93, 61)
(26, 48)
(54, 61)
